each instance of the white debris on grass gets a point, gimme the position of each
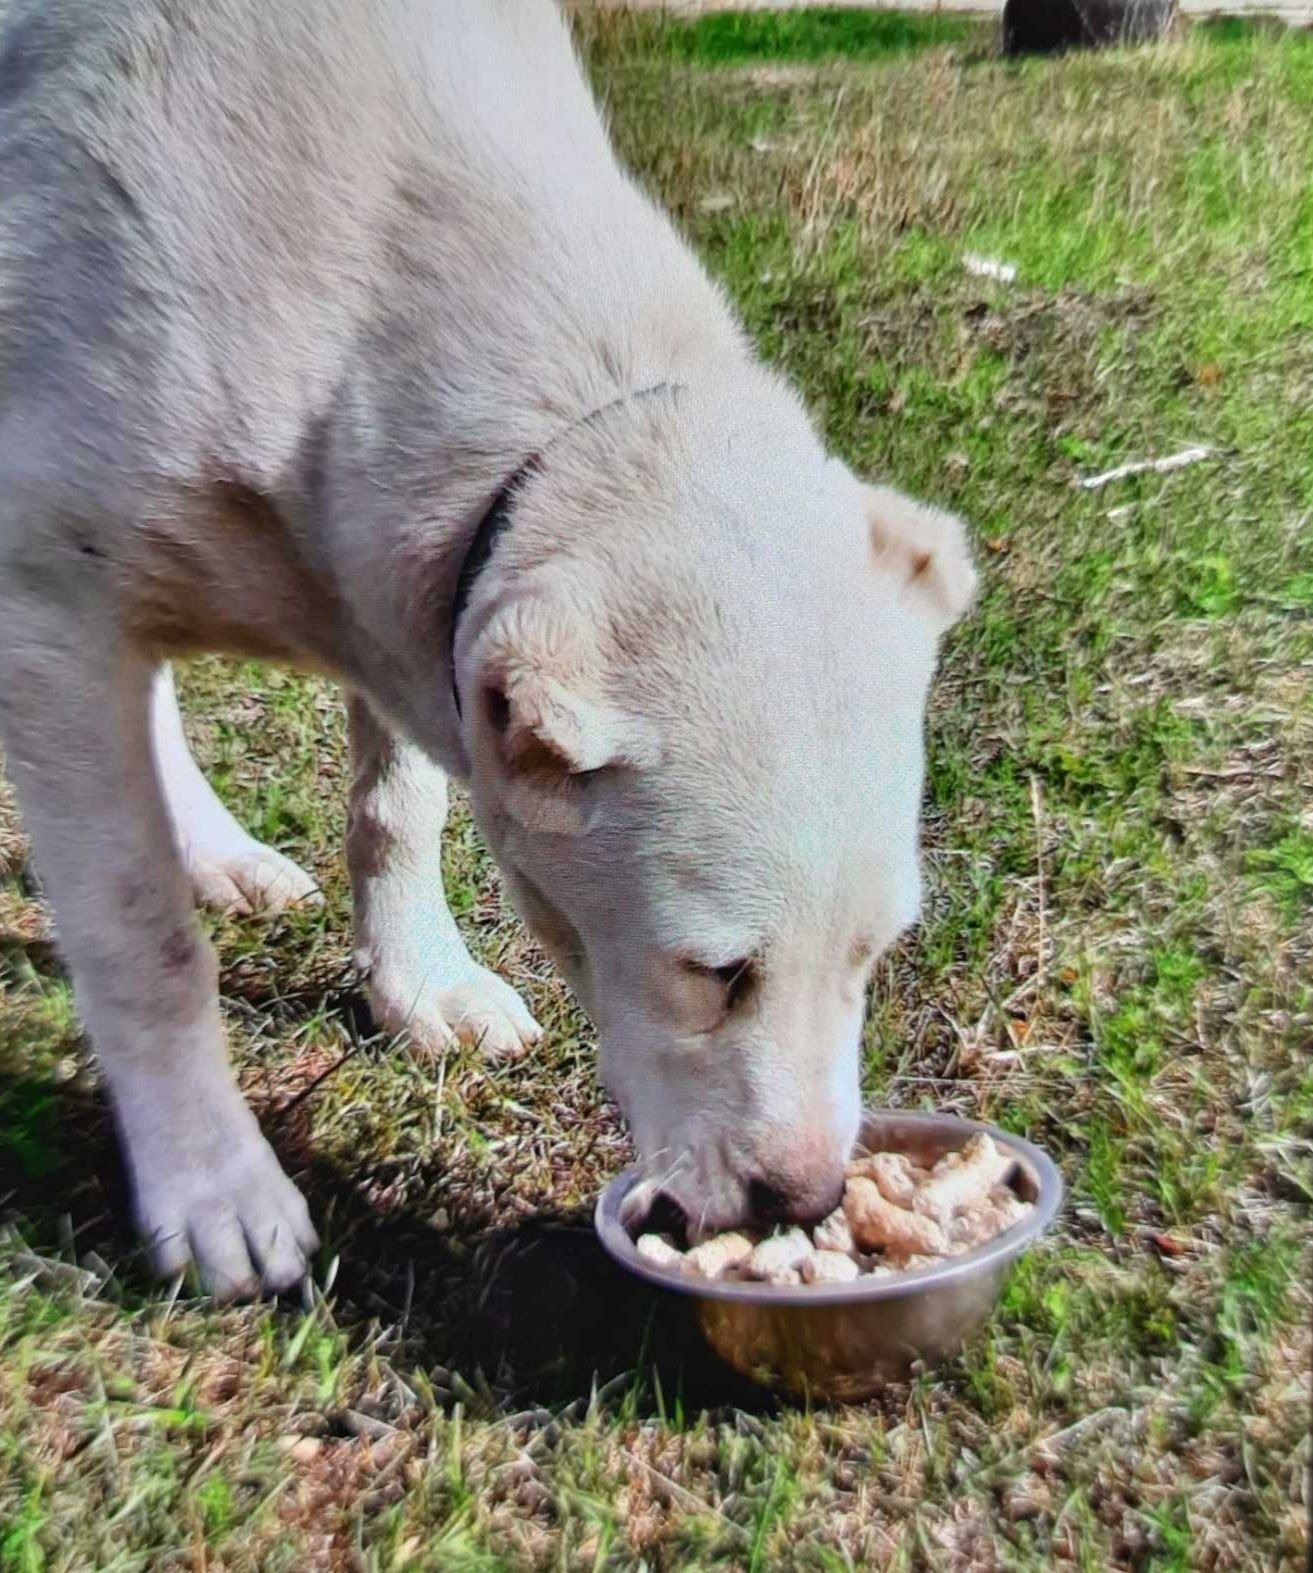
(1173, 461)
(990, 268)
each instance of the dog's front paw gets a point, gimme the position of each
(232, 1211)
(249, 878)
(480, 1010)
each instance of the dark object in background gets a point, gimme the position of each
(1045, 27)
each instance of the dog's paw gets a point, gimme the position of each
(238, 1218)
(480, 1010)
(248, 879)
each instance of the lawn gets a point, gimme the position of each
(1116, 955)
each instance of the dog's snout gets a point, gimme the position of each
(785, 1198)
(797, 1177)
(767, 1203)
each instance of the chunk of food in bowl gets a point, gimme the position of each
(895, 1216)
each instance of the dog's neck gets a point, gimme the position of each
(497, 518)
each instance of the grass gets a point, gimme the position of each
(1115, 958)
(818, 33)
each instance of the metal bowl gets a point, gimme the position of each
(843, 1342)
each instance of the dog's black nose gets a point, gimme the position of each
(772, 1201)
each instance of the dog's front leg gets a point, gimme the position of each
(75, 721)
(422, 979)
(230, 871)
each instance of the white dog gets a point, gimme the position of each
(332, 333)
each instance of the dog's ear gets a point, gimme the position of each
(550, 722)
(545, 726)
(925, 548)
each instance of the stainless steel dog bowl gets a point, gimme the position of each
(843, 1342)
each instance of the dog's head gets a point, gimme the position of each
(694, 711)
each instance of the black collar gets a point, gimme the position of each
(498, 516)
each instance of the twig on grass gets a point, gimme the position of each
(1173, 461)
(690, 1498)
(1037, 813)
(280, 1115)
(990, 268)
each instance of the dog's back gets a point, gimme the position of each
(200, 199)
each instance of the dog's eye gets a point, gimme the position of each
(736, 978)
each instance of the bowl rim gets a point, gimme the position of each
(994, 1253)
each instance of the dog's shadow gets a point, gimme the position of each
(535, 1315)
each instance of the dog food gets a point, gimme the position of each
(895, 1216)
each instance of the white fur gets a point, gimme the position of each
(286, 293)
(423, 981)
(229, 869)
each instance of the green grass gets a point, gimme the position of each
(1115, 955)
(819, 33)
